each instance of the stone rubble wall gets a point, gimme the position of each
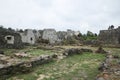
(110, 36)
(28, 36)
(50, 34)
(110, 68)
(26, 66)
(14, 42)
(47, 34)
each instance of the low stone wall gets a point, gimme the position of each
(110, 68)
(26, 66)
(41, 60)
(23, 67)
(73, 51)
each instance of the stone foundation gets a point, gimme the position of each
(17, 67)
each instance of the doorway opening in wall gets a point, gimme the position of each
(9, 38)
(31, 38)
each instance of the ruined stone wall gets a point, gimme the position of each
(17, 66)
(14, 39)
(28, 36)
(50, 34)
(61, 35)
(70, 33)
(110, 68)
(37, 35)
(110, 36)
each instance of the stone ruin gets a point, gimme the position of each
(9, 39)
(110, 36)
(46, 36)
(51, 35)
(25, 37)
(28, 36)
(101, 50)
(12, 65)
(110, 68)
(74, 51)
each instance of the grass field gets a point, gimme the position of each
(77, 67)
(38, 52)
(31, 51)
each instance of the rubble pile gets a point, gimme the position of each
(100, 50)
(110, 68)
(73, 51)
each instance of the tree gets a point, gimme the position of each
(89, 33)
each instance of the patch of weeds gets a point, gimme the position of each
(29, 76)
(37, 52)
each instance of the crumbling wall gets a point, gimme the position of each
(110, 36)
(28, 36)
(51, 35)
(46, 36)
(15, 39)
(37, 35)
(17, 66)
(9, 39)
(110, 68)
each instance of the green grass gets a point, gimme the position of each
(37, 52)
(77, 67)
(9, 52)
(31, 51)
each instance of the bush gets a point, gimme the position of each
(70, 40)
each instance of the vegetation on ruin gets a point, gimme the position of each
(70, 40)
(76, 67)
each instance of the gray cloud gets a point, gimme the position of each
(80, 15)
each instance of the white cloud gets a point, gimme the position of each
(82, 15)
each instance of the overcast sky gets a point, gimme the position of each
(81, 15)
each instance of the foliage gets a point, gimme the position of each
(40, 40)
(38, 52)
(89, 36)
(70, 40)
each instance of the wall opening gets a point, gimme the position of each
(9, 38)
(31, 38)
